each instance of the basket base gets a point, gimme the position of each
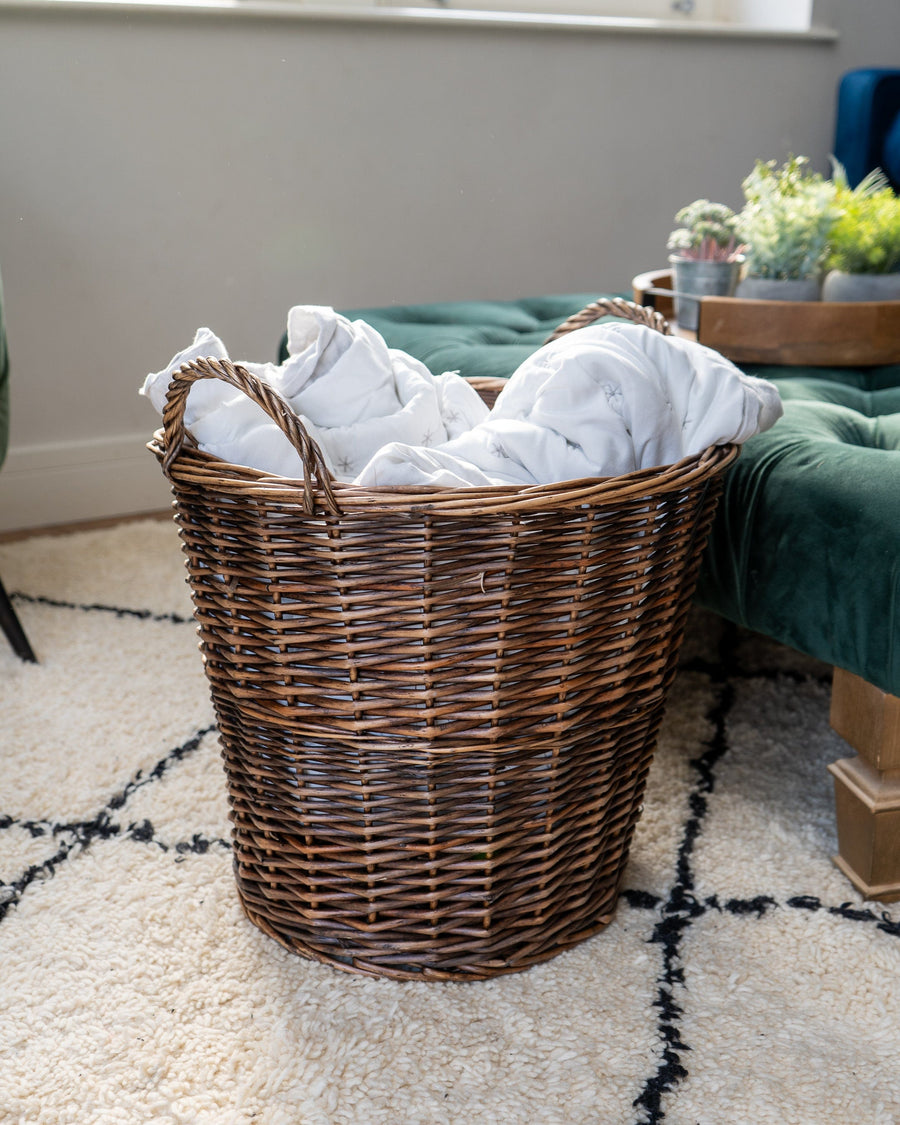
(432, 961)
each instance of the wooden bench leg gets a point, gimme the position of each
(867, 787)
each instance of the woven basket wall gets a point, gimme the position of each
(437, 708)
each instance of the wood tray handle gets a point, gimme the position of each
(316, 474)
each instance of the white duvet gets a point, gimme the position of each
(352, 393)
(600, 401)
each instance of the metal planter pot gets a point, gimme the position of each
(703, 277)
(779, 289)
(839, 286)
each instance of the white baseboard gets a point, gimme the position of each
(42, 485)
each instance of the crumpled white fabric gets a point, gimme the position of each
(352, 393)
(600, 401)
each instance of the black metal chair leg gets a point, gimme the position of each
(12, 628)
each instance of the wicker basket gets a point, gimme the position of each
(437, 708)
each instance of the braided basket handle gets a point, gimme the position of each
(612, 306)
(316, 473)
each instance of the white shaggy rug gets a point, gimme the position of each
(742, 980)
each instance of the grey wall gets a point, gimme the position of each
(162, 171)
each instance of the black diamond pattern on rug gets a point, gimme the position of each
(693, 913)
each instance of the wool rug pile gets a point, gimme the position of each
(742, 980)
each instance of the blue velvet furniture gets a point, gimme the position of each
(867, 129)
(805, 547)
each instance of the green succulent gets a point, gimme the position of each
(706, 230)
(787, 219)
(866, 237)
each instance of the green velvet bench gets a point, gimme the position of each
(805, 548)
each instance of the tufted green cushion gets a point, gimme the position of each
(479, 338)
(806, 544)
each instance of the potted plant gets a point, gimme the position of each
(786, 222)
(864, 262)
(705, 256)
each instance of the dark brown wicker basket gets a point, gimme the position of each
(437, 707)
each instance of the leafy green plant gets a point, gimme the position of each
(706, 231)
(866, 237)
(787, 219)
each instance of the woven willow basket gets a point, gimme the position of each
(437, 708)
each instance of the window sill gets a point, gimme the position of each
(293, 10)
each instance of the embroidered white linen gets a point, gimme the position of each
(600, 401)
(352, 393)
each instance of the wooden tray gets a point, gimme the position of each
(791, 333)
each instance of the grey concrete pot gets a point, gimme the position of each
(840, 286)
(777, 289)
(702, 277)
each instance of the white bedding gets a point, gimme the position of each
(352, 393)
(600, 401)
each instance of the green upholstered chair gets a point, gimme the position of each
(805, 547)
(8, 619)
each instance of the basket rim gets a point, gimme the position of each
(195, 466)
(186, 464)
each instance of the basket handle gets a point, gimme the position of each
(316, 473)
(612, 306)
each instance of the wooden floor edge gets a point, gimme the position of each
(83, 525)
